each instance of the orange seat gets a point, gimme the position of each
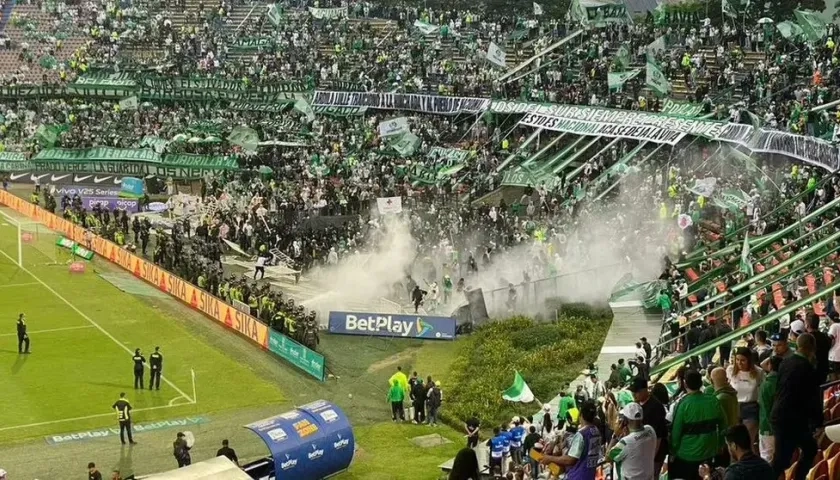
(834, 465)
(790, 473)
(820, 469)
(832, 401)
(691, 274)
(835, 412)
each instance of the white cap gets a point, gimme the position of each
(632, 411)
(797, 327)
(833, 433)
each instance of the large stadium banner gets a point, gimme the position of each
(402, 101)
(649, 133)
(390, 325)
(600, 12)
(92, 165)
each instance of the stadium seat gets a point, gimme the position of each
(820, 469)
(790, 473)
(834, 465)
(835, 412)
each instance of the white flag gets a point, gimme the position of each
(538, 9)
(425, 28)
(393, 126)
(129, 103)
(496, 55)
(389, 205)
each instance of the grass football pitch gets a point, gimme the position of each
(84, 330)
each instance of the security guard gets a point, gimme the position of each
(23, 337)
(123, 409)
(139, 362)
(155, 368)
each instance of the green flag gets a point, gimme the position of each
(812, 25)
(405, 144)
(622, 58)
(656, 80)
(519, 391)
(47, 135)
(746, 265)
(245, 137)
(275, 14)
(616, 80)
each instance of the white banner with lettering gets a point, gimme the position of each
(403, 101)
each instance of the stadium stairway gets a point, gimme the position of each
(9, 57)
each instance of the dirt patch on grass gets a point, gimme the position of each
(400, 357)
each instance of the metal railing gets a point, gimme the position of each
(531, 296)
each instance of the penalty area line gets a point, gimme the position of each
(91, 321)
(90, 417)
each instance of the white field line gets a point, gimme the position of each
(109, 414)
(62, 329)
(10, 285)
(90, 320)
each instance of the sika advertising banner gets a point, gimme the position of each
(390, 325)
(244, 324)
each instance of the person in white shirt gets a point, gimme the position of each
(634, 446)
(259, 267)
(834, 351)
(746, 377)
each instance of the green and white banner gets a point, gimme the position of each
(87, 164)
(155, 143)
(449, 156)
(129, 103)
(649, 133)
(274, 14)
(328, 13)
(496, 55)
(12, 157)
(681, 109)
(393, 126)
(656, 46)
(250, 44)
(406, 144)
(339, 111)
(812, 25)
(261, 107)
(402, 101)
(616, 80)
(425, 28)
(622, 58)
(303, 107)
(245, 137)
(656, 81)
(789, 29)
(600, 12)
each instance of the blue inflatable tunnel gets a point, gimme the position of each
(311, 442)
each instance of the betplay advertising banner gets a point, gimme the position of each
(390, 325)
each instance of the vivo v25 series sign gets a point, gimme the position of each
(389, 325)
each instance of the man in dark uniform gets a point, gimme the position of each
(155, 368)
(123, 409)
(139, 362)
(23, 337)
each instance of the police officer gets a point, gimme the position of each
(139, 362)
(155, 368)
(123, 409)
(23, 337)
